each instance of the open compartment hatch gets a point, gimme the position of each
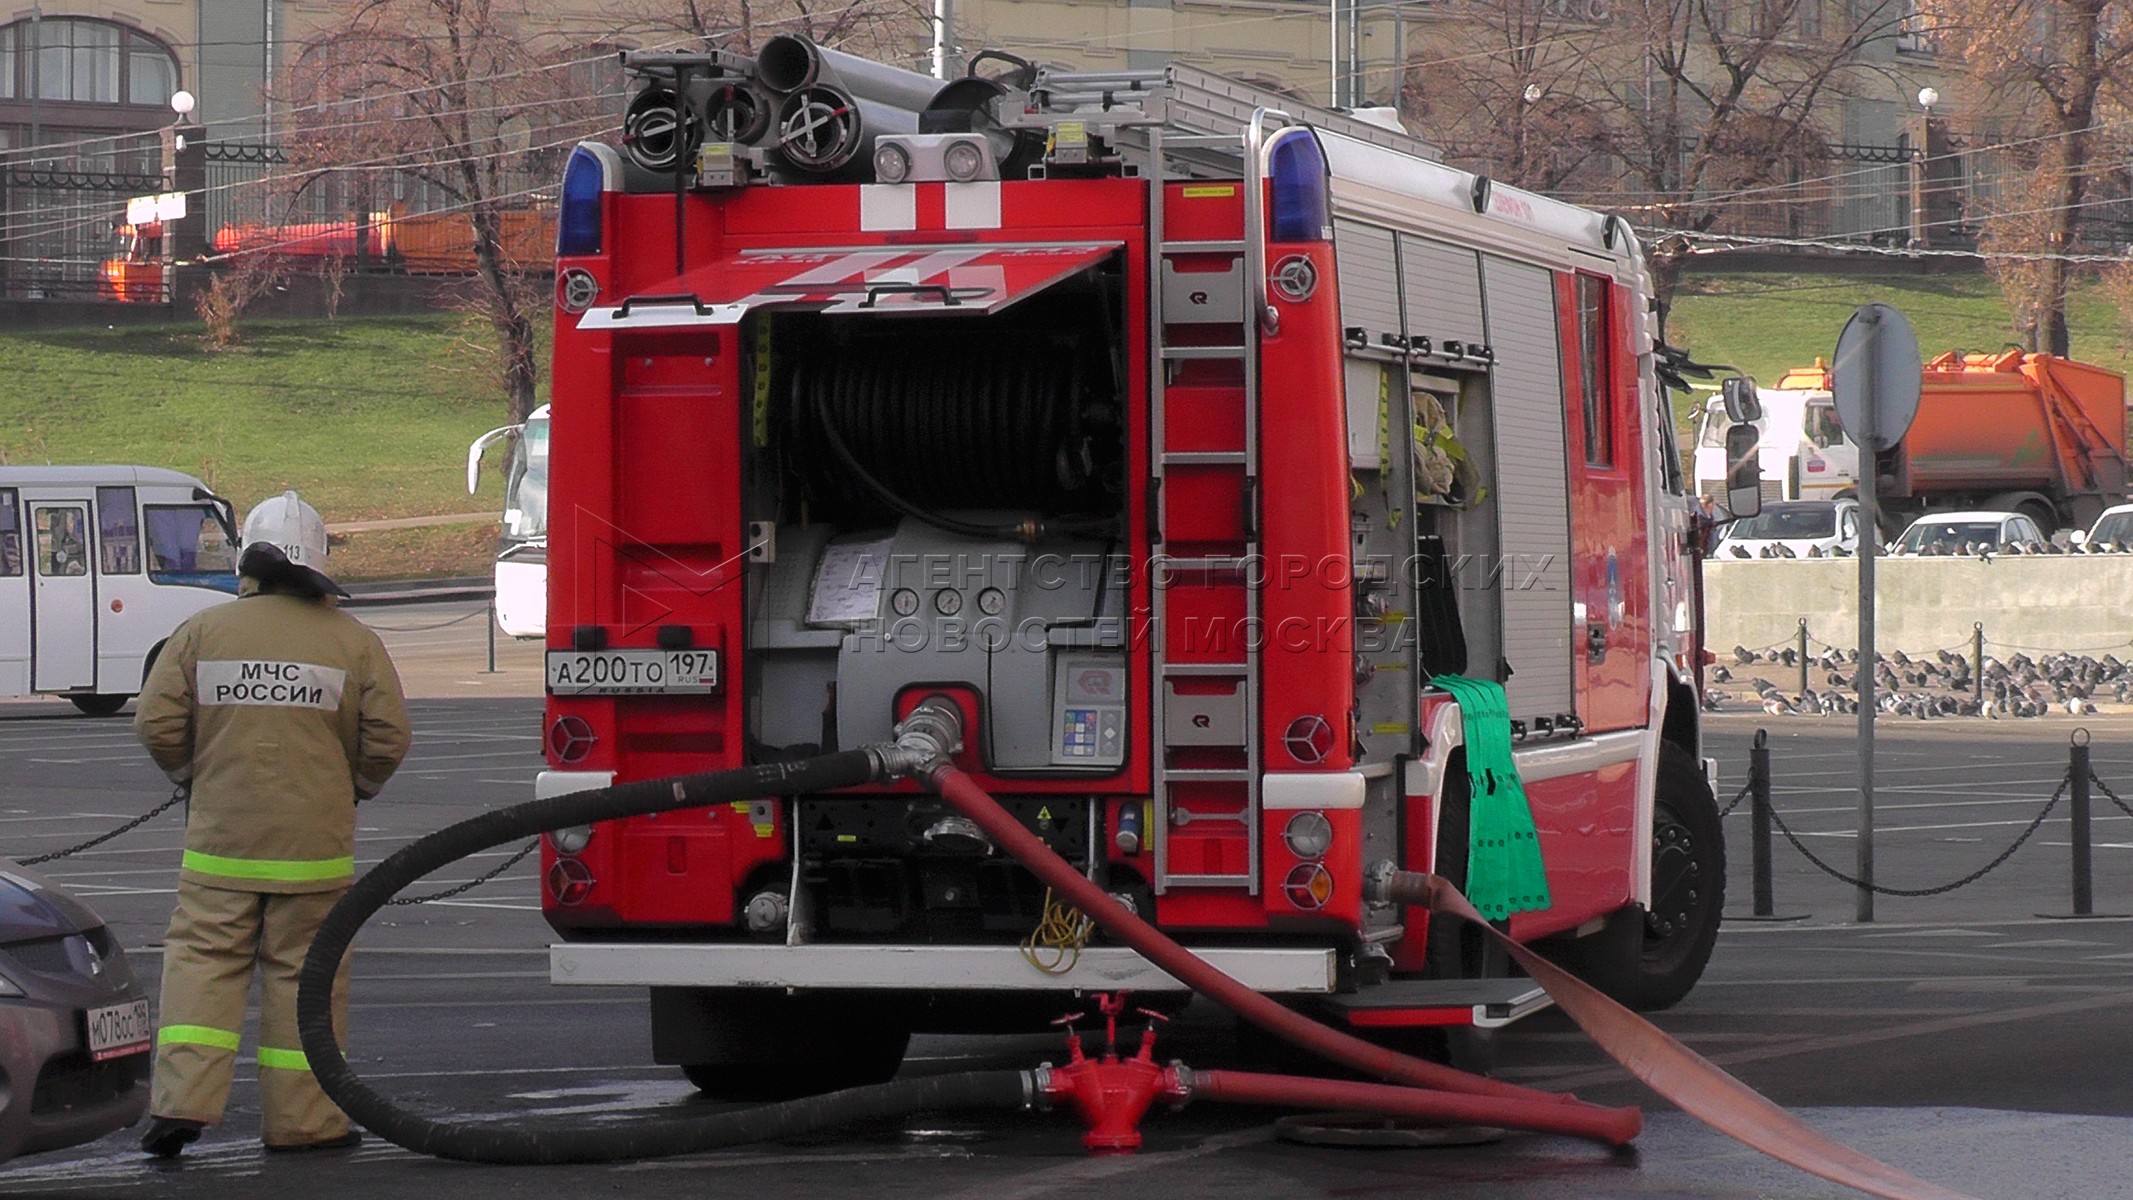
(966, 280)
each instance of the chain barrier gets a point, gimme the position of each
(178, 795)
(1739, 796)
(1972, 877)
(481, 612)
(181, 793)
(2109, 794)
(469, 885)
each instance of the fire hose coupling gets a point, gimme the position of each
(1110, 1093)
(926, 739)
(1385, 884)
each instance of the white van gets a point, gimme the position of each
(97, 566)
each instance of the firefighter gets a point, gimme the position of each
(281, 714)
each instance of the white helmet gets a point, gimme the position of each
(281, 533)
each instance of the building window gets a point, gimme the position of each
(85, 62)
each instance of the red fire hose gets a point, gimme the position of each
(1700, 1087)
(1578, 1118)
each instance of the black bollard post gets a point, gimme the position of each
(2077, 767)
(1759, 810)
(492, 635)
(1803, 656)
(1977, 661)
(1759, 818)
(2078, 777)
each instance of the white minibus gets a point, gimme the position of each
(98, 565)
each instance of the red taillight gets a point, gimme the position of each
(570, 881)
(571, 738)
(1309, 886)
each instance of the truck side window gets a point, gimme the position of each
(10, 533)
(62, 542)
(1595, 371)
(118, 531)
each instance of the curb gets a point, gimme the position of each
(417, 591)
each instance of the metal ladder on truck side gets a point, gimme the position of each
(1187, 125)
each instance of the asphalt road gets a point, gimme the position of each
(1961, 1037)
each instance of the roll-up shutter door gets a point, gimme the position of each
(1531, 485)
(1443, 284)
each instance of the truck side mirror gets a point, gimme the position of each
(1744, 469)
(1742, 404)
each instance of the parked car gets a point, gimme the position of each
(2113, 528)
(1961, 532)
(75, 1031)
(1806, 528)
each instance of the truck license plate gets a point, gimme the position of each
(632, 672)
(119, 1029)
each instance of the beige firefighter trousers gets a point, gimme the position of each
(216, 936)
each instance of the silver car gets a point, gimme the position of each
(75, 1032)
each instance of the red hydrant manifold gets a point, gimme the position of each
(1110, 1094)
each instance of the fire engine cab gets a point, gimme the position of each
(1179, 436)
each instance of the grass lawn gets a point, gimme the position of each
(1764, 324)
(367, 417)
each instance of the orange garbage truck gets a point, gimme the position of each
(2013, 431)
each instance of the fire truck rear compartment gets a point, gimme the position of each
(948, 502)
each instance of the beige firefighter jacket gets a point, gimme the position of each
(282, 712)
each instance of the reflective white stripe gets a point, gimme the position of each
(973, 205)
(1283, 791)
(888, 206)
(842, 267)
(925, 268)
(269, 684)
(550, 784)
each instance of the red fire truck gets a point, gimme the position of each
(1179, 435)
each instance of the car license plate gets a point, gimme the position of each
(119, 1030)
(632, 672)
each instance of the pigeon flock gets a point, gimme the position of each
(1942, 685)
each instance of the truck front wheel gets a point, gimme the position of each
(1649, 958)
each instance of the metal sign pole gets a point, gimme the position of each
(1874, 381)
(1869, 545)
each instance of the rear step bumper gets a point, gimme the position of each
(907, 968)
(1417, 1003)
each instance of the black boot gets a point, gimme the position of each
(167, 1137)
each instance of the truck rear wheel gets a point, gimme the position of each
(749, 1044)
(1649, 958)
(100, 705)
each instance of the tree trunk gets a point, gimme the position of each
(504, 304)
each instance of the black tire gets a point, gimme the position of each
(1650, 959)
(760, 1082)
(99, 705)
(758, 1044)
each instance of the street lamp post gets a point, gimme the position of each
(1921, 145)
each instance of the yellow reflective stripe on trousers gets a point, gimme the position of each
(197, 1035)
(285, 1060)
(291, 870)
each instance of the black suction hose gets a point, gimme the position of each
(572, 1142)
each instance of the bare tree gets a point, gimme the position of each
(464, 103)
(1659, 109)
(1512, 94)
(2055, 71)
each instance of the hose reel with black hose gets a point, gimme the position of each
(932, 421)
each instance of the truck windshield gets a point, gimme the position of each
(526, 490)
(1948, 535)
(188, 543)
(2116, 527)
(1788, 521)
(1713, 433)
